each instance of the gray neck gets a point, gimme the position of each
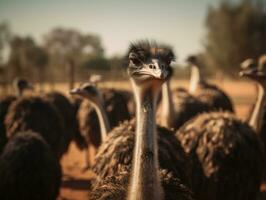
(256, 118)
(145, 181)
(102, 116)
(18, 91)
(195, 79)
(168, 111)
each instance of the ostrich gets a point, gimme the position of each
(262, 123)
(88, 117)
(206, 92)
(38, 115)
(28, 169)
(148, 69)
(176, 109)
(226, 152)
(20, 86)
(66, 110)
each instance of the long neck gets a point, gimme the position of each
(195, 79)
(167, 113)
(256, 118)
(145, 181)
(18, 91)
(102, 116)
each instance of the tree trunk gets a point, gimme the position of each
(71, 73)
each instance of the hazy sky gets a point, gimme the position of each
(177, 22)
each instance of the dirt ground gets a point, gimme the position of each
(75, 184)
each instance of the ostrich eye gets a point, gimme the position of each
(136, 61)
(168, 62)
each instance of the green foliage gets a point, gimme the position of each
(235, 31)
(69, 44)
(96, 63)
(26, 57)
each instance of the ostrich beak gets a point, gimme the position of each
(75, 91)
(155, 70)
(244, 74)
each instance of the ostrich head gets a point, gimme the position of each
(149, 62)
(262, 62)
(88, 91)
(192, 60)
(95, 78)
(250, 70)
(21, 85)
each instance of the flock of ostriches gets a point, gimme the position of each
(154, 144)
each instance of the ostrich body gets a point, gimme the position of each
(226, 153)
(28, 169)
(20, 86)
(148, 63)
(205, 91)
(38, 115)
(112, 158)
(66, 110)
(114, 187)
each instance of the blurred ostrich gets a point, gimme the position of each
(28, 169)
(66, 110)
(20, 87)
(205, 91)
(178, 107)
(38, 115)
(226, 152)
(110, 107)
(261, 119)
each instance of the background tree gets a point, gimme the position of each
(19, 58)
(235, 31)
(38, 58)
(70, 48)
(5, 35)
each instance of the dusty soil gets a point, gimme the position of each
(75, 184)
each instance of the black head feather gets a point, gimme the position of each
(143, 50)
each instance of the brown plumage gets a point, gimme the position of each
(5, 103)
(66, 110)
(115, 154)
(116, 109)
(28, 169)
(115, 187)
(214, 96)
(38, 115)
(226, 155)
(187, 106)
